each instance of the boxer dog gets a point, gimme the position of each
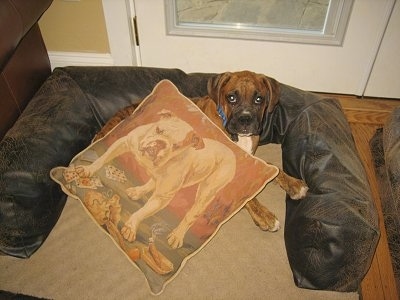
(237, 102)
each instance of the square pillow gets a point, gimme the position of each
(163, 182)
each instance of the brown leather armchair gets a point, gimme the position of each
(24, 63)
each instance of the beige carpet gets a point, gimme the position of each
(241, 262)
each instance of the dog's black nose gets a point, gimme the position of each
(245, 119)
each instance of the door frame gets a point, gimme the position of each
(118, 16)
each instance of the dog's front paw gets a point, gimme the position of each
(134, 193)
(174, 240)
(262, 217)
(271, 225)
(83, 171)
(297, 189)
(267, 222)
(128, 231)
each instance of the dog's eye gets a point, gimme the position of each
(231, 98)
(258, 100)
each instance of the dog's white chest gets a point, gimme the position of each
(246, 143)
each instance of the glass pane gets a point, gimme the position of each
(282, 14)
(300, 21)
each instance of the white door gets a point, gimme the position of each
(344, 68)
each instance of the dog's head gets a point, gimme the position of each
(168, 137)
(242, 99)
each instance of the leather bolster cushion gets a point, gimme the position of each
(56, 124)
(331, 235)
(391, 146)
(385, 148)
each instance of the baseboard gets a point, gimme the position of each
(63, 59)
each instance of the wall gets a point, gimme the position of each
(75, 26)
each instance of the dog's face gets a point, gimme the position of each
(168, 137)
(242, 99)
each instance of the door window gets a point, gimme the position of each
(315, 21)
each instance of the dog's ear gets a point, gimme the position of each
(215, 84)
(192, 139)
(273, 92)
(195, 140)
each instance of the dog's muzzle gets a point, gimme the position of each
(243, 122)
(152, 149)
(245, 119)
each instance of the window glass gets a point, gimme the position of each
(308, 21)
